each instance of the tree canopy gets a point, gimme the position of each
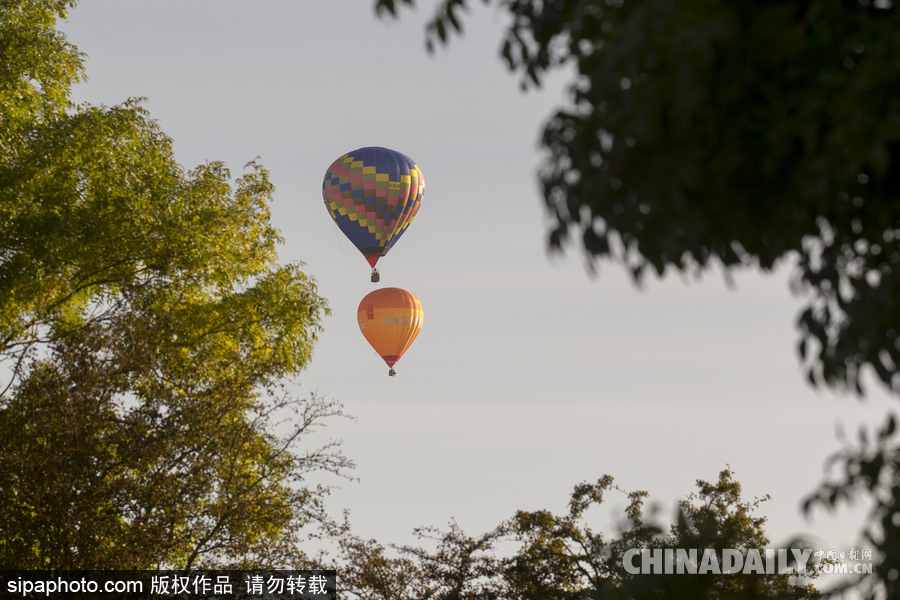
(146, 334)
(732, 132)
(537, 555)
(741, 134)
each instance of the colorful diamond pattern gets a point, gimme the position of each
(373, 194)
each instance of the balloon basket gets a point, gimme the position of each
(392, 372)
(375, 276)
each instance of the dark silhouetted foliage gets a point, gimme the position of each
(746, 134)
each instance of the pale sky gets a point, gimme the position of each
(529, 375)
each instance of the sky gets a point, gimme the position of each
(530, 374)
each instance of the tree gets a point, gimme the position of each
(458, 568)
(563, 557)
(745, 134)
(870, 470)
(147, 332)
(731, 132)
(552, 557)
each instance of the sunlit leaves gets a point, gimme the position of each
(37, 68)
(147, 330)
(537, 555)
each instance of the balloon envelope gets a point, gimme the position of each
(390, 319)
(373, 194)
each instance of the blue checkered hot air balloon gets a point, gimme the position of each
(373, 194)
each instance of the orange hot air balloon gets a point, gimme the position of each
(390, 319)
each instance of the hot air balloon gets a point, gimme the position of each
(373, 194)
(390, 319)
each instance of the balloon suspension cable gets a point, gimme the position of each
(337, 231)
(375, 276)
(392, 372)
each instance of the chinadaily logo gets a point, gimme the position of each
(760, 561)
